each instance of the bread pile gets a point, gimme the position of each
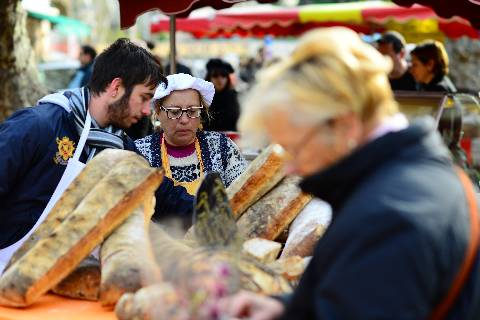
(111, 197)
(273, 215)
(266, 206)
(109, 206)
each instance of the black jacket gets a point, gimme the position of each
(224, 111)
(398, 234)
(439, 84)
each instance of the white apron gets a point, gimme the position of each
(72, 170)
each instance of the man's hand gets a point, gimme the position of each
(247, 305)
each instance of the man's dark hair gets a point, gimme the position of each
(395, 38)
(127, 61)
(86, 49)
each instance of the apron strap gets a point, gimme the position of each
(83, 137)
(441, 310)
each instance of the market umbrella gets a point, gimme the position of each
(130, 10)
(468, 9)
(365, 17)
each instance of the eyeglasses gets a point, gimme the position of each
(177, 112)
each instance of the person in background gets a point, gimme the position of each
(179, 68)
(430, 67)
(225, 109)
(84, 73)
(38, 143)
(181, 147)
(392, 44)
(151, 47)
(403, 217)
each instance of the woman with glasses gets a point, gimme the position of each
(404, 229)
(225, 109)
(180, 146)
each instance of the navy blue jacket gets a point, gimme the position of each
(30, 168)
(398, 234)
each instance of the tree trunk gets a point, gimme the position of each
(19, 82)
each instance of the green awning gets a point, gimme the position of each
(64, 24)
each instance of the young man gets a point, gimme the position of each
(37, 143)
(392, 44)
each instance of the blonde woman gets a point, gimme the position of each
(400, 225)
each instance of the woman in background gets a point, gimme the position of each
(430, 67)
(225, 109)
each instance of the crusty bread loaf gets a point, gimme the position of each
(291, 268)
(262, 249)
(260, 176)
(127, 261)
(159, 301)
(98, 168)
(83, 283)
(269, 216)
(307, 229)
(52, 258)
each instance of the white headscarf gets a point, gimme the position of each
(182, 81)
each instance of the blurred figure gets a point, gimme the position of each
(180, 68)
(225, 109)
(84, 73)
(430, 67)
(151, 47)
(403, 218)
(392, 44)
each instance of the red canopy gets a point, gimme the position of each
(468, 9)
(131, 9)
(361, 17)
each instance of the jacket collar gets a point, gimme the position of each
(336, 183)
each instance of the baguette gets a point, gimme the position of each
(306, 229)
(261, 249)
(261, 176)
(159, 301)
(98, 168)
(83, 283)
(52, 258)
(127, 260)
(268, 217)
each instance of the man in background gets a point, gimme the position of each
(84, 73)
(392, 44)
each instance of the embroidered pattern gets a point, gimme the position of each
(65, 150)
(219, 154)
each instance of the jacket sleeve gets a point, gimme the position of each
(372, 275)
(172, 200)
(20, 140)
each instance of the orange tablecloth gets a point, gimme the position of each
(52, 307)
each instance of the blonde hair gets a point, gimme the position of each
(332, 71)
